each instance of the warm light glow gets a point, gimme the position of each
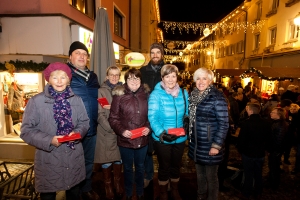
(116, 50)
(297, 19)
(208, 53)
(180, 53)
(157, 11)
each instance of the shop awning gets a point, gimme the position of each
(287, 72)
(230, 72)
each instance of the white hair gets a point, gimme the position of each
(203, 70)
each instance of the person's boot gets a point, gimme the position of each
(163, 190)
(107, 183)
(174, 189)
(117, 180)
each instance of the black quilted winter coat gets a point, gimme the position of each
(210, 129)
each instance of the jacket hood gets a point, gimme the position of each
(120, 90)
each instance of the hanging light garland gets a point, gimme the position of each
(208, 27)
(183, 44)
(177, 51)
(260, 75)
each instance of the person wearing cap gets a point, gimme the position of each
(48, 116)
(151, 76)
(85, 84)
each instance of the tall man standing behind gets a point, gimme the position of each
(151, 76)
(85, 84)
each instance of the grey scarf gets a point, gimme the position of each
(195, 99)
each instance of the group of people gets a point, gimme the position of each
(151, 99)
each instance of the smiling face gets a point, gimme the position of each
(155, 56)
(202, 82)
(59, 80)
(170, 80)
(133, 82)
(113, 76)
(79, 58)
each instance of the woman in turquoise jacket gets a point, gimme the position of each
(166, 110)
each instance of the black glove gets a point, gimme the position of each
(167, 137)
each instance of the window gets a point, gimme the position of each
(240, 47)
(256, 41)
(275, 4)
(293, 31)
(273, 32)
(233, 49)
(222, 52)
(85, 6)
(118, 23)
(259, 10)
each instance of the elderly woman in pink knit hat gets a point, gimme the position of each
(48, 117)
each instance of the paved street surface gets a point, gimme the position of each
(288, 190)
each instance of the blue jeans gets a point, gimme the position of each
(253, 172)
(137, 157)
(149, 168)
(89, 144)
(207, 180)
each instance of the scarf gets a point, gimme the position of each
(83, 73)
(62, 112)
(112, 86)
(195, 99)
(174, 91)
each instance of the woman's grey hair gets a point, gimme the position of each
(168, 69)
(112, 68)
(203, 70)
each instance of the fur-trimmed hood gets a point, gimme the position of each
(120, 89)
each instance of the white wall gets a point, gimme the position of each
(35, 35)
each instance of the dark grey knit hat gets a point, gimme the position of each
(157, 46)
(77, 45)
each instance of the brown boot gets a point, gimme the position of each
(107, 182)
(174, 189)
(117, 180)
(163, 190)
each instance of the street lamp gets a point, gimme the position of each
(297, 19)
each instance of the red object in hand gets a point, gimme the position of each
(137, 132)
(103, 101)
(176, 131)
(67, 138)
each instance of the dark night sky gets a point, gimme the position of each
(198, 11)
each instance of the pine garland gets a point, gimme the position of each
(25, 65)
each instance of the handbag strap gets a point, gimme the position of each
(184, 100)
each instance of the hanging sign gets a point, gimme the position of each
(135, 59)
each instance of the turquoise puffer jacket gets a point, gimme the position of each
(166, 111)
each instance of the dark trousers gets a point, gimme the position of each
(71, 194)
(88, 144)
(297, 165)
(288, 144)
(274, 169)
(169, 160)
(137, 157)
(253, 172)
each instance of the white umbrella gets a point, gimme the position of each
(102, 55)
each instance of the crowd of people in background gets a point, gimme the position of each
(156, 99)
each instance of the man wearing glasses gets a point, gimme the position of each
(85, 84)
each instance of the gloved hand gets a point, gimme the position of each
(167, 137)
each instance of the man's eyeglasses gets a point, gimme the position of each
(133, 79)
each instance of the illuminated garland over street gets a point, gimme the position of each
(184, 44)
(177, 51)
(260, 75)
(224, 26)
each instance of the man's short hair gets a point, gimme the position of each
(255, 107)
(235, 94)
(285, 102)
(291, 87)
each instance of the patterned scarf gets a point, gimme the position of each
(174, 91)
(194, 100)
(62, 112)
(83, 73)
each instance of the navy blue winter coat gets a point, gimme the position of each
(210, 129)
(88, 91)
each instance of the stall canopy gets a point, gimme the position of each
(102, 55)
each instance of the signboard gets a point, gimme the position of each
(135, 59)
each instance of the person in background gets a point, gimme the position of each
(253, 141)
(272, 102)
(209, 123)
(234, 108)
(286, 105)
(296, 170)
(248, 86)
(107, 151)
(85, 84)
(151, 76)
(279, 129)
(290, 135)
(289, 94)
(280, 92)
(129, 111)
(166, 110)
(49, 116)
